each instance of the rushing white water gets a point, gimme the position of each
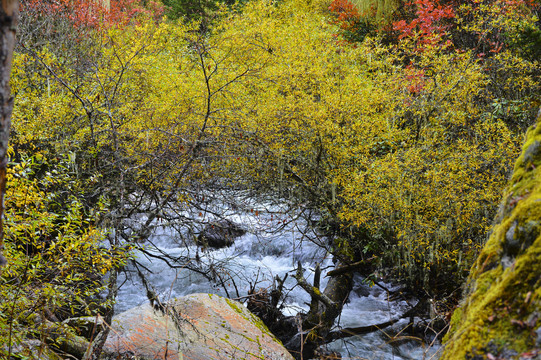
(254, 260)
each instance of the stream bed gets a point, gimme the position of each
(272, 246)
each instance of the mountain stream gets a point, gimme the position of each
(272, 246)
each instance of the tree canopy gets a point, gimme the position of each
(397, 122)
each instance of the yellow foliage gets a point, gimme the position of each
(56, 255)
(414, 157)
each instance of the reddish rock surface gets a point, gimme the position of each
(195, 327)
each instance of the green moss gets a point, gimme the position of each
(456, 319)
(238, 349)
(503, 289)
(247, 315)
(235, 306)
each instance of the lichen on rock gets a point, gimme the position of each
(501, 312)
(197, 326)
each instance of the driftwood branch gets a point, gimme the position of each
(315, 293)
(350, 267)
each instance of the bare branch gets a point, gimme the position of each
(313, 291)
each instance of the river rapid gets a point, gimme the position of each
(272, 246)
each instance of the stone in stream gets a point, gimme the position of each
(219, 234)
(195, 327)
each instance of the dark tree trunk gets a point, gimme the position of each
(9, 14)
(337, 291)
(325, 308)
(304, 335)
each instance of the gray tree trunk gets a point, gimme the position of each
(9, 14)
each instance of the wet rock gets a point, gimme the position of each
(362, 290)
(220, 234)
(197, 327)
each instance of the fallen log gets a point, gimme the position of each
(347, 332)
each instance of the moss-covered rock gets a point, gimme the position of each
(500, 317)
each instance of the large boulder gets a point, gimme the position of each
(219, 234)
(195, 327)
(500, 317)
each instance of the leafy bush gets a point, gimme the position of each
(57, 257)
